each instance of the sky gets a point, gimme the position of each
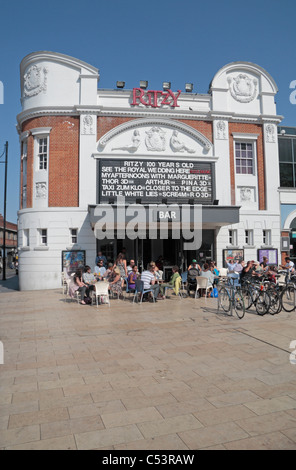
(179, 41)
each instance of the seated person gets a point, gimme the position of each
(215, 271)
(193, 271)
(172, 283)
(100, 270)
(77, 284)
(108, 272)
(206, 272)
(115, 282)
(271, 274)
(88, 278)
(132, 277)
(149, 281)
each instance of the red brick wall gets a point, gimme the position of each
(63, 169)
(248, 129)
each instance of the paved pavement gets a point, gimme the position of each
(175, 375)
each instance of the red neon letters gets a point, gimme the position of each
(152, 98)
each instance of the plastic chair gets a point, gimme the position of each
(102, 292)
(176, 288)
(128, 290)
(202, 283)
(223, 272)
(140, 290)
(64, 282)
(76, 295)
(184, 280)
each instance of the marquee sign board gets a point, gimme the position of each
(153, 181)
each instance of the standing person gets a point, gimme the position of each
(101, 257)
(264, 263)
(248, 271)
(130, 266)
(290, 266)
(100, 270)
(230, 265)
(149, 281)
(120, 263)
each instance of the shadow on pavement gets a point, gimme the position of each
(11, 283)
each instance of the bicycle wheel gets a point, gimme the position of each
(224, 299)
(262, 303)
(288, 298)
(239, 304)
(275, 302)
(247, 296)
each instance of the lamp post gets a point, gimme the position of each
(5, 152)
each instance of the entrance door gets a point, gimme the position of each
(205, 253)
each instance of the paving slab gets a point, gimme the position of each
(177, 374)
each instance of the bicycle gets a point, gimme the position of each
(254, 294)
(288, 298)
(274, 292)
(229, 298)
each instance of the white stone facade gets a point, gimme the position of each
(56, 85)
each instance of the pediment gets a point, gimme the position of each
(155, 137)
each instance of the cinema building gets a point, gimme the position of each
(85, 150)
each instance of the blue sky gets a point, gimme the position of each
(175, 40)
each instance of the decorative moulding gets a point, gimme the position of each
(158, 127)
(88, 124)
(35, 81)
(239, 135)
(243, 88)
(270, 133)
(41, 130)
(221, 130)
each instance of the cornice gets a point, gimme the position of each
(77, 110)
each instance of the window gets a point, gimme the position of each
(26, 239)
(43, 236)
(232, 238)
(244, 158)
(24, 158)
(287, 157)
(249, 237)
(73, 235)
(42, 153)
(266, 237)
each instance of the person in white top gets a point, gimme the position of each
(130, 266)
(148, 278)
(290, 266)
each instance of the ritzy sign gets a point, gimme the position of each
(155, 98)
